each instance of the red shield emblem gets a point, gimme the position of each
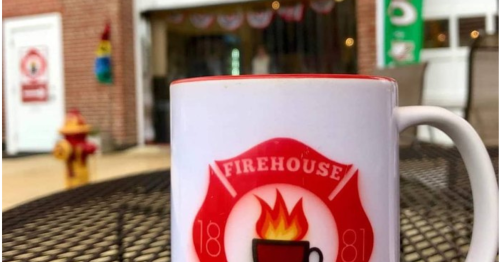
(282, 201)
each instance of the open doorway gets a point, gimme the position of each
(287, 37)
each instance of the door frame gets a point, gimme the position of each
(10, 26)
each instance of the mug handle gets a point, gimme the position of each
(316, 250)
(484, 239)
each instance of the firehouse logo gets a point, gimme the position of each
(282, 201)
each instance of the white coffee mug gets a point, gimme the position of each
(278, 168)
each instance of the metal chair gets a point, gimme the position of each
(482, 104)
(410, 79)
(482, 107)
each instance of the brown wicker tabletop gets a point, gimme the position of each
(129, 219)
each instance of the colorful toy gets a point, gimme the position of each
(74, 149)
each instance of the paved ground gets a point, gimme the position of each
(28, 178)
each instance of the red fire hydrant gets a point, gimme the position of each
(74, 149)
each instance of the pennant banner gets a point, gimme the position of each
(291, 13)
(175, 18)
(230, 21)
(260, 19)
(202, 21)
(256, 19)
(103, 70)
(322, 6)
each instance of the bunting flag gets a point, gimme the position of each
(230, 21)
(259, 19)
(202, 21)
(175, 18)
(291, 13)
(256, 19)
(322, 6)
(103, 69)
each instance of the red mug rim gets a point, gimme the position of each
(281, 76)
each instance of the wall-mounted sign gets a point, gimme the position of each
(403, 31)
(34, 75)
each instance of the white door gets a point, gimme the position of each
(34, 91)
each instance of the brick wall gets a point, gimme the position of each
(12, 8)
(129, 98)
(110, 108)
(366, 35)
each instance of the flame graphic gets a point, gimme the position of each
(278, 224)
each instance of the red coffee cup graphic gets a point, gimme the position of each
(281, 233)
(283, 251)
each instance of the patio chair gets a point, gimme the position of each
(482, 107)
(410, 79)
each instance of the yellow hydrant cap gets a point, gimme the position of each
(74, 124)
(62, 150)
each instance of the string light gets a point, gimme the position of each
(276, 5)
(441, 37)
(474, 34)
(349, 42)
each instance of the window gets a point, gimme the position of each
(469, 29)
(436, 33)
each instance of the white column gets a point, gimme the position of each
(380, 33)
(139, 85)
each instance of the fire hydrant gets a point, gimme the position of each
(74, 149)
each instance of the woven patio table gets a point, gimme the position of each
(128, 219)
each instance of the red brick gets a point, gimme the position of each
(366, 35)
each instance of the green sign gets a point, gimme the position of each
(403, 31)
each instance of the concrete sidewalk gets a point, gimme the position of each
(27, 178)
